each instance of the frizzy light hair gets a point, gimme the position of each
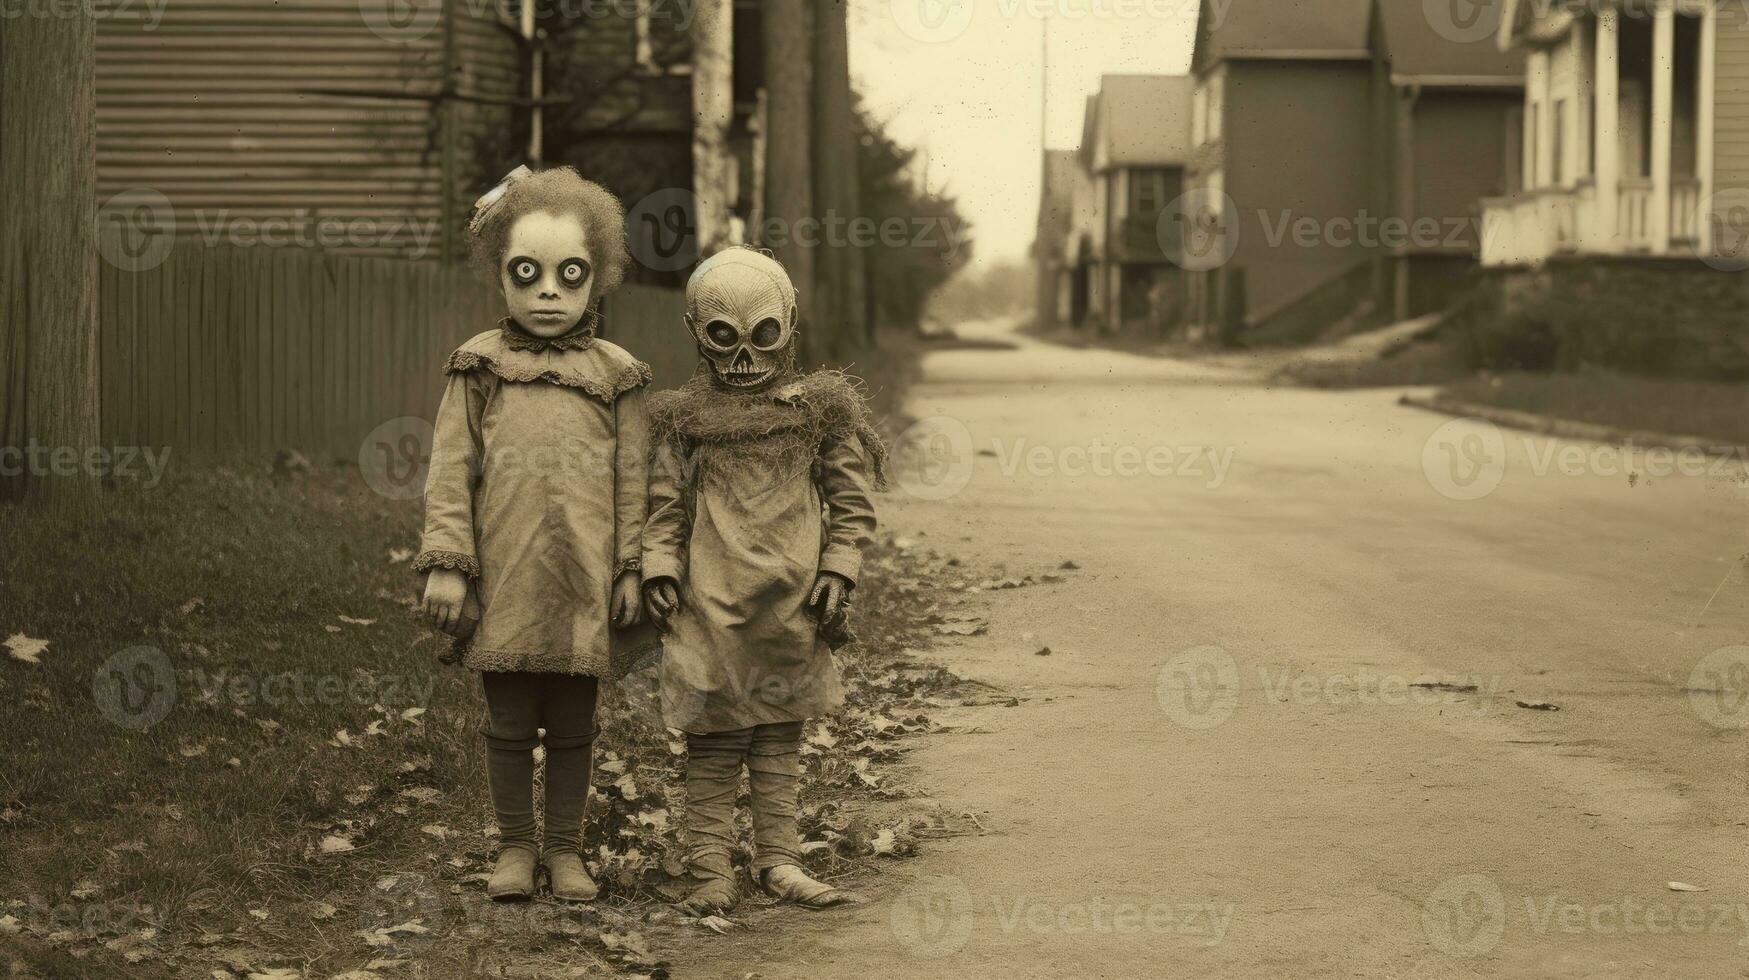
(559, 191)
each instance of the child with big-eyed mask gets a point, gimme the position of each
(534, 508)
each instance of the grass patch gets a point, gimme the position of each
(1432, 361)
(1708, 409)
(239, 753)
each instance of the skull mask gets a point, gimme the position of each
(741, 309)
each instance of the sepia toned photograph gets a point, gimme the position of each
(922, 489)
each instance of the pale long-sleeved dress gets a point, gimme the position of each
(745, 526)
(536, 490)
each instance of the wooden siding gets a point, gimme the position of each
(225, 351)
(1731, 100)
(217, 106)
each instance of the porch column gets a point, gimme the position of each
(1703, 125)
(1663, 120)
(1606, 126)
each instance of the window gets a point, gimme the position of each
(658, 31)
(1558, 134)
(1532, 139)
(1199, 115)
(1147, 191)
(1217, 104)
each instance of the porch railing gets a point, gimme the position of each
(1685, 212)
(1633, 214)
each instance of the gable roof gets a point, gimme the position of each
(1417, 51)
(1139, 121)
(1331, 29)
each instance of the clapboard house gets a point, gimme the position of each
(328, 122)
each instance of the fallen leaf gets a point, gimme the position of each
(411, 713)
(191, 605)
(335, 844)
(191, 751)
(85, 889)
(375, 727)
(436, 830)
(331, 628)
(717, 924)
(399, 555)
(26, 649)
(341, 739)
(885, 843)
(259, 914)
(627, 787)
(323, 911)
(356, 622)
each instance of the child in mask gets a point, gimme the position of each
(534, 507)
(759, 509)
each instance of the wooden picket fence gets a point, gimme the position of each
(227, 350)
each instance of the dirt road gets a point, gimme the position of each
(1222, 769)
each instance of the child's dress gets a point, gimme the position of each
(751, 497)
(536, 490)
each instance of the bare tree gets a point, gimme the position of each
(48, 256)
(789, 188)
(836, 195)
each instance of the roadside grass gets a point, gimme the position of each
(238, 753)
(1426, 362)
(1707, 409)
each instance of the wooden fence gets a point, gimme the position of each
(221, 351)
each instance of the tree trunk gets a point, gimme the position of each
(836, 191)
(48, 258)
(789, 188)
(713, 112)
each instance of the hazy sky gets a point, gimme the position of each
(961, 78)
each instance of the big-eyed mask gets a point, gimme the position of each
(547, 274)
(741, 308)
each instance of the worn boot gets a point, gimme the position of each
(570, 879)
(512, 877)
(568, 764)
(789, 883)
(714, 890)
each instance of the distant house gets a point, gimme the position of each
(1636, 133)
(1104, 204)
(305, 117)
(1352, 140)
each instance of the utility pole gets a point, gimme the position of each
(536, 67)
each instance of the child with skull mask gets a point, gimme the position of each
(759, 509)
(534, 508)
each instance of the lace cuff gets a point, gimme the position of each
(452, 560)
(627, 565)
